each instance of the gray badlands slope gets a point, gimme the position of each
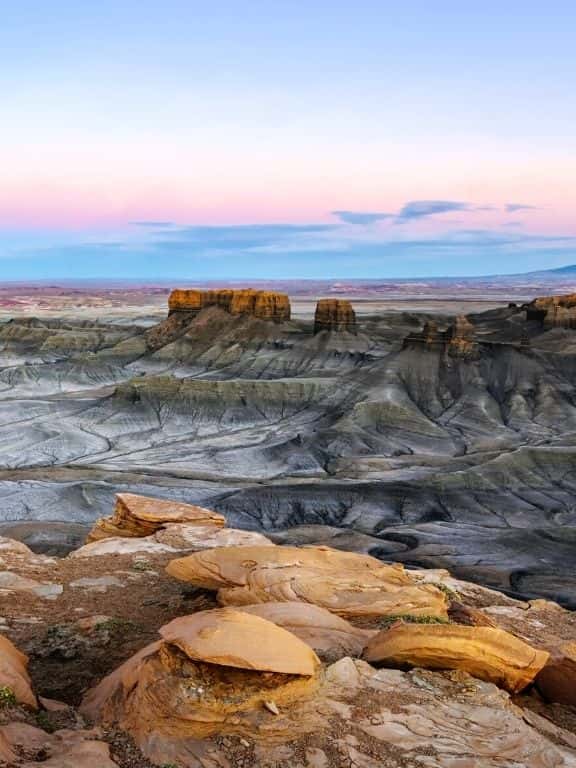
(461, 456)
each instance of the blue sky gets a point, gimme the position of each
(286, 139)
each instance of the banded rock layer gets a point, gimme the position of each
(553, 311)
(350, 585)
(266, 305)
(334, 315)
(136, 516)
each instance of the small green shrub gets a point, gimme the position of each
(43, 721)
(386, 621)
(450, 593)
(7, 696)
(116, 625)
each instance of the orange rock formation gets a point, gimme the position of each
(240, 639)
(460, 338)
(330, 636)
(488, 653)
(14, 673)
(267, 305)
(557, 681)
(136, 516)
(334, 315)
(553, 311)
(213, 672)
(346, 583)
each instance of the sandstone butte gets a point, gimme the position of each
(487, 653)
(553, 311)
(14, 673)
(346, 583)
(212, 672)
(557, 680)
(136, 516)
(334, 315)
(266, 305)
(460, 338)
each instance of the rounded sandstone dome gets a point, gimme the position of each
(233, 638)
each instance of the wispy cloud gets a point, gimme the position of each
(361, 218)
(153, 224)
(351, 245)
(515, 207)
(419, 209)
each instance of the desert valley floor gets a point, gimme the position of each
(418, 438)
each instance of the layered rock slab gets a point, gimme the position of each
(137, 516)
(349, 597)
(348, 584)
(230, 567)
(487, 653)
(173, 538)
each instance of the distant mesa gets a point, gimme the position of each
(334, 315)
(458, 340)
(266, 305)
(553, 311)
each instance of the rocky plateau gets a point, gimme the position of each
(130, 653)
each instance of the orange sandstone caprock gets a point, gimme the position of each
(266, 305)
(334, 315)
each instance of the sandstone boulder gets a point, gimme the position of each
(14, 673)
(120, 545)
(557, 680)
(13, 582)
(485, 652)
(213, 672)
(334, 315)
(63, 749)
(196, 537)
(240, 639)
(346, 583)
(138, 516)
(230, 567)
(328, 635)
(14, 547)
(348, 596)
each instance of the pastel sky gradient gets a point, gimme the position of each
(283, 138)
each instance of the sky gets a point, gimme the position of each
(247, 139)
